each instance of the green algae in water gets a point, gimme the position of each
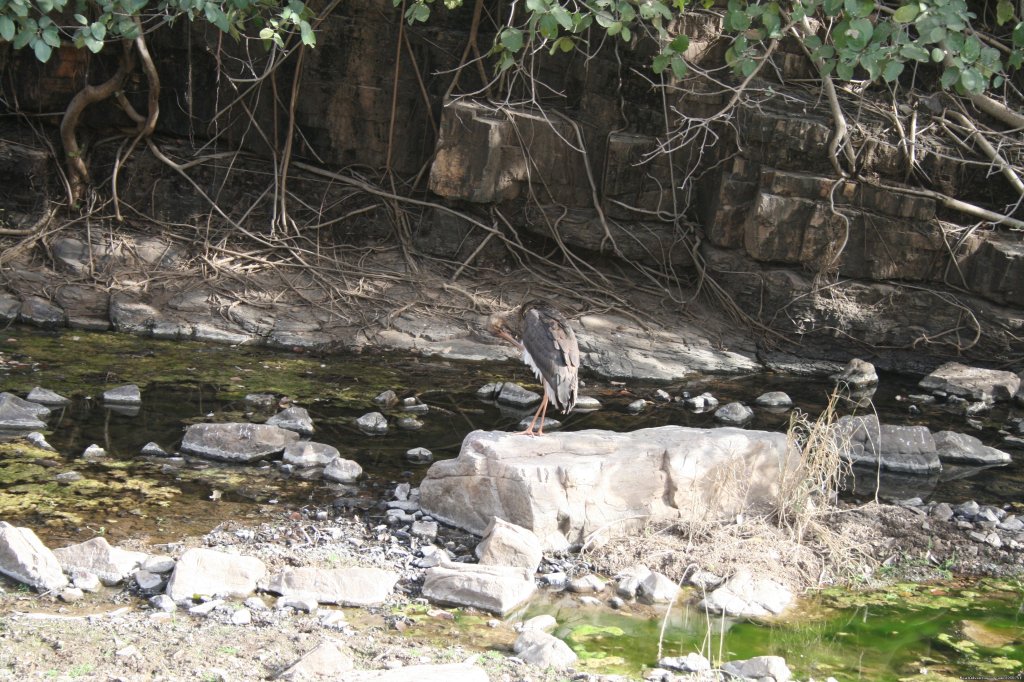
(932, 632)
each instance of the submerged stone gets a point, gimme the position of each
(45, 396)
(973, 382)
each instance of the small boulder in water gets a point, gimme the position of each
(857, 374)
(734, 414)
(45, 396)
(373, 423)
(123, 395)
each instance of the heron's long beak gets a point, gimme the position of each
(508, 337)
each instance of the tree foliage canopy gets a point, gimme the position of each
(847, 39)
(36, 24)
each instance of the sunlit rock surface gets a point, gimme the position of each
(566, 487)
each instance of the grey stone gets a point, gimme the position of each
(409, 423)
(973, 382)
(517, 396)
(637, 406)
(309, 453)
(657, 588)
(586, 583)
(342, 470)
(858, 373)
(148, 582)
(373, 423)
(123, 395)
(745, 595)
(94, 452)
(85, 580)
(354, 586)
(942, 511)
(67, 477)
(760, 668)
(236, 442)
(497, 589)
(906, 449)
(45, 396)
(26, 559)
(260, 401)
(544, 622)
(241, 617)
(111, 564)
(419, 455)
(329, 660)
(295, 419)
(691, 663)
(488, 391)
(542, 649)
(152, 449)
(426, 530)
(734, 414)
(701, 403)
(387, 398)
(207, 572)
(506, 544)
(662, 396)
(41, 313)
(586, 403)
(162, 602)
(964, 448)
(39, 440)
(628, 582)
(774, 399)
(19, 414)
(297, 602)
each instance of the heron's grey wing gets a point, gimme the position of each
(551, 345)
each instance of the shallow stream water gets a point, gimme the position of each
(127, 495)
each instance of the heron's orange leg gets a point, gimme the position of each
(543, 414)
(529, 429)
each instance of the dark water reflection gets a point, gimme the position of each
(187, 382)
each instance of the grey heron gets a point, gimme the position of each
(549, 348)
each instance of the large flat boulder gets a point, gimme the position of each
(236, 442)
(566, 486)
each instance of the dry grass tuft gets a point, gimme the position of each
(800, 542)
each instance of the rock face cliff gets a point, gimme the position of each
(603, 164)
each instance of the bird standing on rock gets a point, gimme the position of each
(549, 348)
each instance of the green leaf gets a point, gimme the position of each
(937, 55)
(548, 26)
(266, 33)
(738, 21)
(906, 14)
(915, 52)
(949, 77)
(562, 16)
(1004, 11)
(679, 67)
(51, 36)
(98, 30)
(845, 71)
(306, 31)
(511, 39)
(417, 12)
(565, 44)
(970, 79)
(859, 33)
(771, 24)
(537, 6)
(858, 8)
(615, 28)
(1018, 35)
(892, 70)
(937, 34)
(661, 62)
(747, 67)
(972, 49)
(44, 6)
(90, 42)
(6, 28)
(832, 7)
(22, 39)
(42, 50)
(679, 44)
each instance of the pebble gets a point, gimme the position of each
(586, 583)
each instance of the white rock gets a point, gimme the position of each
(327, 661)
(343, 470)
(123, 395)
(760, 668)
(544, 623)
(628, 582)
(586, 583)
(26, 559)
(973, 382)
(498, 589)
(745, 595)
(355, 586)
(541, 649)
(657, 588)
(295, 419)
(111, 564)
(241, 617)
(691, 663)
(306, 453)
(565, 486)
(506, 544)
(207, 572)
(373, 423)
